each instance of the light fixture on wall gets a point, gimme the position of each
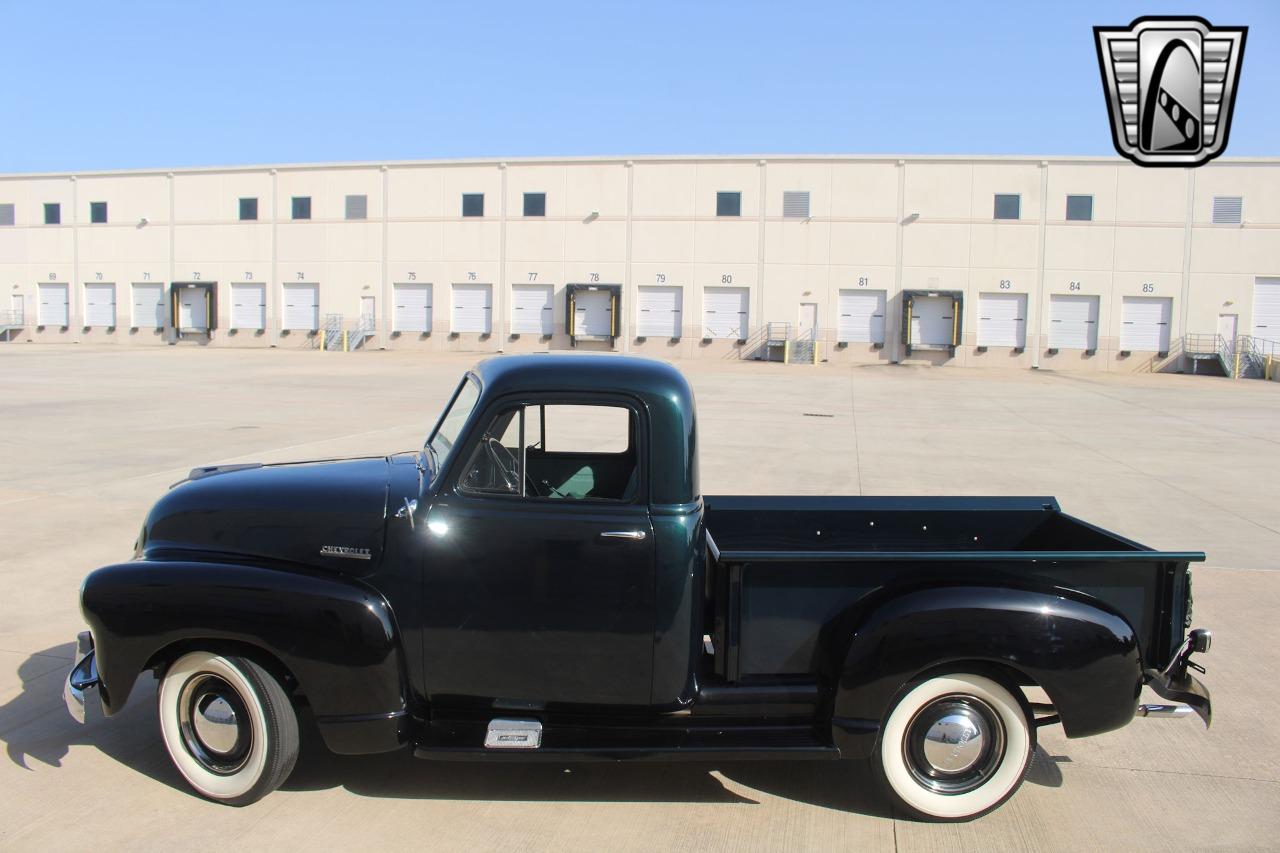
(911, 217)
(592, 216)
(142, 223)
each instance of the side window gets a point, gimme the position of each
(569, 452)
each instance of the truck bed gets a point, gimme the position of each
(784, 569)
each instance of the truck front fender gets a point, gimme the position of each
(336, 636)
(1081, 653)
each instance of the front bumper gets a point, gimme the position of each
(82, 681)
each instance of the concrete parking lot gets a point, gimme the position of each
(90, 437)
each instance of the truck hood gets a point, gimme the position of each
(328, 514)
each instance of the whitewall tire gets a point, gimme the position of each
(955, 746)
(228, 725)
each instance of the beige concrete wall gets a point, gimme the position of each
(876, 223)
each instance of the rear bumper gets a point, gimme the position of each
(1187, 690)
(82, 681)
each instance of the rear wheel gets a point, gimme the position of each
(228, 725)
(956, 746)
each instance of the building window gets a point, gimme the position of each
(52, 213)
(302, 207)
(97, 211)
(1008, 206)
(1079, 208)
(795, 204)
(6, 214)
(473, 204)
(248, 209)
(1228, 210)
(728, 204)
(535, 204)
(357, 207)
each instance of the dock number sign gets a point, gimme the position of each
(1170, 84)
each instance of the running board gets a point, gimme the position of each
(514, 739)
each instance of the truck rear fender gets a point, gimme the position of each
(1082, 653)
(336, 636)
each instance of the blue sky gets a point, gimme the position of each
(122, 85)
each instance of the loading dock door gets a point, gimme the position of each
(531, 312)
(52, 307)
(413, 308)
(1002, 320)
(593, 314)
(1144, 323)
(472, 307)
(659, 312)
(148, 306)
(1266, 308)
(301, 307)
(932, 321)
(249, 306)
(725, 312)
(861, 316)
(100, 305)
(1073, 322)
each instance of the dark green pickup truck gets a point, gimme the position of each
(545, 580)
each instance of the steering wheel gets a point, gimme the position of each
(504, 461)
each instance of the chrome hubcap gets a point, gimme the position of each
(954, 744)
(214, 724)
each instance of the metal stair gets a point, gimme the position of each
(1208, 354)
(11, 322)
(1244, 357)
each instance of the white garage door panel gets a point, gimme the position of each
(1073, 322)
(301, 307)
(412, 308)
(248, 306)
(1144, 323)
(531, 312)
(1002, 320)
(472, 305)
(592, 313)
(99, 304)
(148, 306)
(932, 320)
(659, 312)
(861, 316)
(1266, 308)
(725, 312)
(52, 310)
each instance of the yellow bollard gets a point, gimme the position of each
(786, 352)
(344, 341)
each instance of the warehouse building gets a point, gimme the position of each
(1063, 263)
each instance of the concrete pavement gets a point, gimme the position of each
(90, 437)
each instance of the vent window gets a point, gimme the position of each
(535, 204)
(302, 207)
(357, 207)
(1079, 208)
(728, 204)
(248, 209)
(473, 204)
(1008, 206)
(6, 214)
(98, 211)
(795, 204)
(1228, 210)
(52, 213)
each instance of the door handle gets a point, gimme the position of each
(634, 535)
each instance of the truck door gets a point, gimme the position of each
(539, 568)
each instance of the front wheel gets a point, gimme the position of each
(228, 725)
(955, 746)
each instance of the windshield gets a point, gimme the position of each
(446, 433)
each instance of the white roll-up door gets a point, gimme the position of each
(148, 306)
(1002, 320)
(1266, 308)
(52, 307)
(592, 314)
(412, 308)
(472, 306)
(659, 311)
(248, 306)
(724, 312)
(861, 317)
(531, 312)
(301, 307)
(99, 304)
(1144, 323)
(932, 320)
(1073, 322)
